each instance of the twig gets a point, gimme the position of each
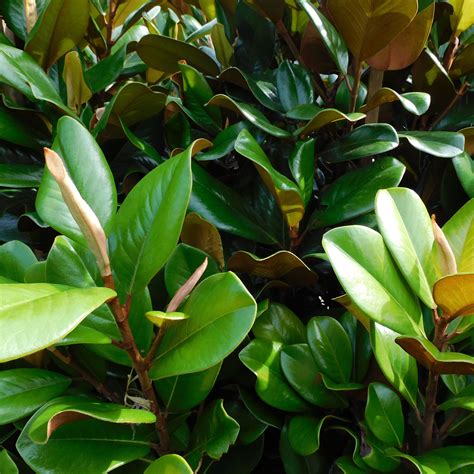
(85, 375)
(443, 431)
(451, 52)
(445, 112)
(356, 85)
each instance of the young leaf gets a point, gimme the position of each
(454, 295)
(172, 463)
(89, 171)
(57, 311)
(135, 255)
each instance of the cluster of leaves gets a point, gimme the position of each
(194, 139)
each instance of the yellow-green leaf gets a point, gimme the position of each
(369, 26)
(463, 16)
(78, 92)
(59, 29)
(454, 294)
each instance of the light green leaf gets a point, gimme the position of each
(442, 144)
(398, 367)
(7, 466)
(406, 228)
(15, 259)
(263, 359)
(464, 166)
(90, 172)
(135, 255)
(219, 305)
(37, 315)
(371, 279)
(169, 464)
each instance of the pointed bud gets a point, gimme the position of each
(444, 253)
(80, 211)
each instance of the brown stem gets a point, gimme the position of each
(443, 431)
(446, 111)
(139, 363)
(451, 52)
(430, 411)
(110, 23)
(85, 375)
(356, 85)
(316, 80)
(431, 408)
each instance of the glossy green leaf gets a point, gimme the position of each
(224, 207)
(303, 374)
(223, 144)
(329, 35)
(294, 86)
(15, 259)
(64, 410)
(371, 280)
(69, 263)
(105, 72)
(263, 359)
(366, 140)
(91, 446)
(457, 457)
(353, 194)
(464, 399)
(464, 166)
(383, 414)
(325, 117)
(132, 103)
(250, 113)
(406, 227)
(285, 191)
(16, 128)
(302, 164)
(367, 27)
(278, 323)
(20, 176)
(163, 54)
(183, 392)
(459, 231)
(59, 29)
(197, 93)
(215, 431)
(432, 359)
(425, 464)
(19, 70)
(304, 433)
(416, 103)
(331, 348)
(264, 92)
(89, 170)
(282, 265)
(13, 11)
(219, 305)
(137, 228)
(442, 144)
(169, 464)
(7, 466)
(259, 409)
(181, 265)
(22, 391)
(398, 367)
(57, 311)
(251, 428)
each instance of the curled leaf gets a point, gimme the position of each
(80, 210)
(443, 253)
(454, 295)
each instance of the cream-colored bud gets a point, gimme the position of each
(445, 256)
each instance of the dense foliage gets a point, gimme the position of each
(238, 236)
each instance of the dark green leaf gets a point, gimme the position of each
(294, 86)
(442, 144)
(302, 163)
